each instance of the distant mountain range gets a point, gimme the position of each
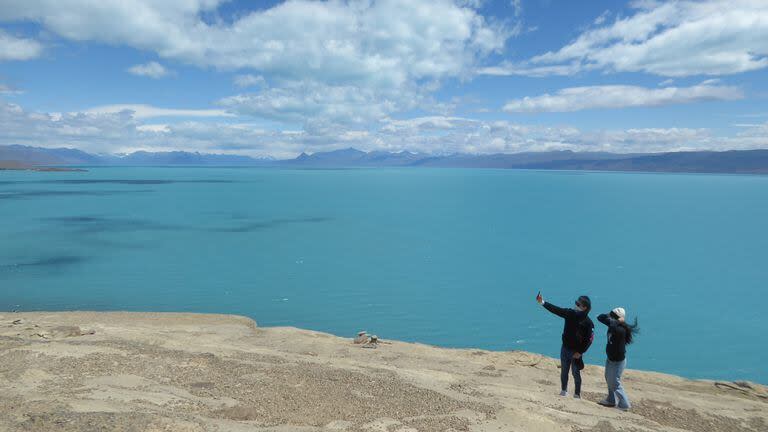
(734, 161)
(36, 156)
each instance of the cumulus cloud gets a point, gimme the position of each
(621, 96)
(13, 48)
(461, 135)
(369, 58)
(139, 111)
(385, 42)
(313, 104)
(152, 69)
(90, 133)
(674, 39)
(121, 132)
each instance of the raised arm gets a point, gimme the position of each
(607, 320)
(563, 313)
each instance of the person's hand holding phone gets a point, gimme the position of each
(539, 298)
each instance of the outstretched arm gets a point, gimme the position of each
(556, 310)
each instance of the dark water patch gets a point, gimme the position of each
(268, 224)
(113, 181)
(90, 224)
(137, 181)
(77, 219)
(299, 168)
(56, 262)
(233, 215)
(98, 224)
(106, 181)
(11, 195)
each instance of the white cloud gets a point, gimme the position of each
(507, 68)
(90, 133)
(517, 7)
(153, 128)
(249, 80)
(460, 135)
(621, 96)
(316, 105)
(13, 48)
(369, 58)
(429, 123)
(121, 132)
(602, 17)
(139, 111)
(152, 69)
(384, 42)
(678, 38)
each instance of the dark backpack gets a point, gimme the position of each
(586, 333)
(586, 337)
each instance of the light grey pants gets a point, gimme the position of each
(616, 394)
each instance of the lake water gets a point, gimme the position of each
(441, 256)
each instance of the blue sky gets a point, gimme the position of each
(279, 78)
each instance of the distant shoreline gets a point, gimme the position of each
(5, 166)
(725, 162)
(342, 168)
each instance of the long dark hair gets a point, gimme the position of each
(631, 329)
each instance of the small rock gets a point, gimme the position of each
(373, 342)
(362, 337)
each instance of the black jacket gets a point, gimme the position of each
(616, 349)
(577, 329)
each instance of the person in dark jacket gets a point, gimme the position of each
(577, 337)
(619, 336)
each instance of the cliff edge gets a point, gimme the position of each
(120, 371)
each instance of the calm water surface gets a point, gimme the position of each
(447, 257)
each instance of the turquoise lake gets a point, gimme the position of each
(450, 257)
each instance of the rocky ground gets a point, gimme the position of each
(88, 371)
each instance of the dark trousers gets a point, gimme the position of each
(568, 363)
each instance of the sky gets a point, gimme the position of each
(277, 78)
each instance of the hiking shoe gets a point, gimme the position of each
(563, 393)
(577, 396)
(625, 409)
(607, 403)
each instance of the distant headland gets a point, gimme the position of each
(18, 166)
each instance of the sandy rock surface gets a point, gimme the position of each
(116, 371)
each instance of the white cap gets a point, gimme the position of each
(619, 312)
